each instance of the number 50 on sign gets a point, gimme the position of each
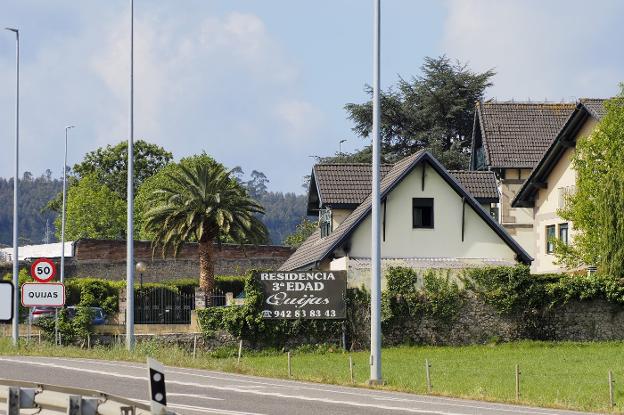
(43, 270)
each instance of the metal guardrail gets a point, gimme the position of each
(23, 397)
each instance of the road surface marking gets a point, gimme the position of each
(305, 398)
(190, 395)
(368, 394)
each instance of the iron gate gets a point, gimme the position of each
(163, 306)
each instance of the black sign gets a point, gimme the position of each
(306, 295)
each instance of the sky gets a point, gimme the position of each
(262, 84)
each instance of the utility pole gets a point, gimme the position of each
(63, 213)
(15, 196)
(130, 193)
(375, 356)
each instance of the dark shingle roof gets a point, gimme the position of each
(316, 249)
(350, 184)
(595, 107)
(345, 183)
(480, 184)
(564, 139)
(515, 135)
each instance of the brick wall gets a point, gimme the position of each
(107, 259)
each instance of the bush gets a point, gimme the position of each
(409, 295)
(508, 289)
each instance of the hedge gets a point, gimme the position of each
(411, 295)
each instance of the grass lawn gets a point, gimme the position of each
(561, 375)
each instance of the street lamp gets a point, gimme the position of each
(130, 195)
(141, 267)
(375, 356)
(15, 195)
(340, 145)
(63, 214)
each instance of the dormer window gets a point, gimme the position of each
(325, 221)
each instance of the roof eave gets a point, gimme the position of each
(564, 140)
(427, 157)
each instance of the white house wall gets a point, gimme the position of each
(547, 203)
(444, 240)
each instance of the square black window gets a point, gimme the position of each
(422, 213)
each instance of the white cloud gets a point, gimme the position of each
(539, 49)
(300, 118)
(220, 83)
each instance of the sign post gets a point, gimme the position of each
(44, 293)
(303, 295)
(6, 301)
(157, 389)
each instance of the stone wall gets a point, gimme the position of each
(107, 259)
(478, 323)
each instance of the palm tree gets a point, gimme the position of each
(202, 203)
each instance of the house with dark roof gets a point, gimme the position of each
(431, 218)
(509, 139)
(553, 178)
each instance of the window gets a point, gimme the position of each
(422, 213)
(494, 212)
(325, 221)
(563, 233)
(550, 236)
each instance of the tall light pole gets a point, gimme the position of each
(340, 145)
(375, 356)
(130, 192)
(15, 196)
(63, 214)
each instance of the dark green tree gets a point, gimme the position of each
(432, 111)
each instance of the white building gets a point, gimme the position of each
(429, 219)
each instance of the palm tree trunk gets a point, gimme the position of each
(206, 269)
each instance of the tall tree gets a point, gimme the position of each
(432, 111)
(596, 209)
(110, 164)
(93, 211)
(202, 203)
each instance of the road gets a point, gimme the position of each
(199, 392)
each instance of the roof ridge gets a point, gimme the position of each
(351, 164)
(528, 103)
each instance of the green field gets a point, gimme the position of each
(562, 375)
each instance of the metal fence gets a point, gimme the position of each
(24, 397)
(163, 306)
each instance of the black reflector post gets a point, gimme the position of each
(157, 391)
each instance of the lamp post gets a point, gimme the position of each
(130, 195)
(375, 356)
(340, 145)
(63, 214)
(140, 268)
(15, 195)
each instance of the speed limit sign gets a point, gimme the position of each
(43, 270)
